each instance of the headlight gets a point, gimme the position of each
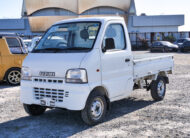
(26, 73)
(76, 76)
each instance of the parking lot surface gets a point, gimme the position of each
(136, 116)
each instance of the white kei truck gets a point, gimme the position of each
(84, 64)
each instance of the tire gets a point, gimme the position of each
(182, 50)
(95, 109)
(158, 89)
(163, 50)
(34, 110)
(13, 76)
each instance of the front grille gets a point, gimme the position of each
(48, 80)
(56, 95)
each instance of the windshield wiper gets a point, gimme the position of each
(47, 49)
(77, 48)
(55, 50)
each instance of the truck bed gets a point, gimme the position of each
(151, 64)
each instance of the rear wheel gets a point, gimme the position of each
(13, 76)
(34, 110)
(158, 89)
(95, 109)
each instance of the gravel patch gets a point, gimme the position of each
(136, 116)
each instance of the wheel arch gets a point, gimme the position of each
(165, 76)
(6, 72)
(103, 92)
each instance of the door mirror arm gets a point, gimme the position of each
(103, 49)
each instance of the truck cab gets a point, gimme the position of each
(83, 65)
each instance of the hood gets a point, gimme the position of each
(51, 62)
(179, 44)
(176, 46)
(173, 45)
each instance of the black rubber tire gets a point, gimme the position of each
(34, 110)
(182, 50)
(163, 50)
(86, 112)
(7, 74)
(154, 89)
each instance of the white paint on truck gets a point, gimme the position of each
(84, 64)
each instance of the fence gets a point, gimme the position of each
(144, 40)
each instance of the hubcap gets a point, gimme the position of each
(161, 88)
(14, 77)
(97, 109)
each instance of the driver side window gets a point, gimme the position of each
(114, 38)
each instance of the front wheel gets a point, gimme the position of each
(95, 109)
(158, 89)
(34, 110)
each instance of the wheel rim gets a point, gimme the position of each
(97, 108)
(14, 77)
(161, 88)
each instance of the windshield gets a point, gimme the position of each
(69, 37)
(156, 44)
(181, 41)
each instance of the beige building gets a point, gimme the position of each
(39, 15)
(43, 13)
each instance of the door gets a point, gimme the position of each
(117, 66)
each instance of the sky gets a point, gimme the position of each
(12, 9)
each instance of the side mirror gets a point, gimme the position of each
(103, 49)
(109, 44)
(37, 42)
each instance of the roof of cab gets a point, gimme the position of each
(100, 19)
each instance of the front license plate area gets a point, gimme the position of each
(47, 102)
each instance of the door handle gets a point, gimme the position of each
(127, 60)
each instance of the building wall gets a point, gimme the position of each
(39, 15)
(9, 24)
(162, 23)
(75, 6)
(19, 26)
(161, 20)
(156, 29)
(43, 13)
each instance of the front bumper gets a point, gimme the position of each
(69, 96)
